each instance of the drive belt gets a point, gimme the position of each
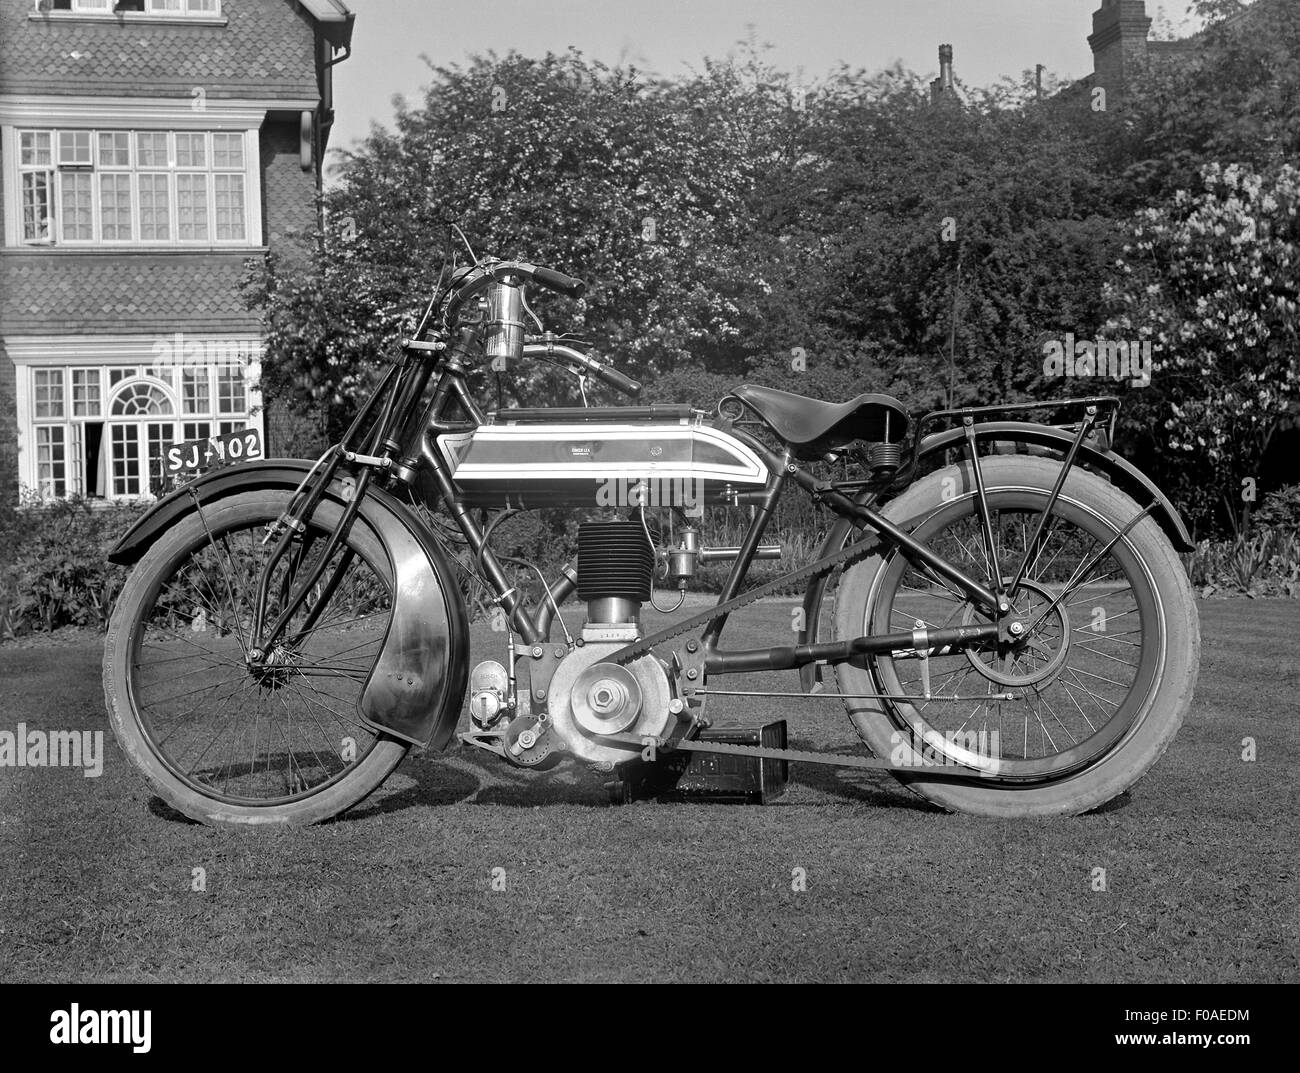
(767, 752)
(820, 566)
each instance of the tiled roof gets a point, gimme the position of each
(44, 292)
(266, 49)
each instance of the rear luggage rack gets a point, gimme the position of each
(1100, 436)
(1107, 413)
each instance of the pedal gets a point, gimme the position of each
(490, 741)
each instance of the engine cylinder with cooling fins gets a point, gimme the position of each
(615, 566)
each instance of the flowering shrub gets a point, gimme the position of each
(1211, 279)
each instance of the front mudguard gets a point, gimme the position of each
(416, 688)
(1121, 472)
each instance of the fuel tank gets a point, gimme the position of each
(599, 457)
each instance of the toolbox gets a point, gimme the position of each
(709, 777)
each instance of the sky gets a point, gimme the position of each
(990, 38)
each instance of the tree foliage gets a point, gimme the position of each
(1211, 279)
(1232, 98)
(1205, 153)
(733, 223)
(840, 236)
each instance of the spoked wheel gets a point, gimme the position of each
(1057, 718)
(226, 739)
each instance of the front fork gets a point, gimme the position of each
(389, 407)
(295, 589)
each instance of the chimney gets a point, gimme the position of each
(944, 87)
(1119, 44)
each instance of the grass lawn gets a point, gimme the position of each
(1200, 860)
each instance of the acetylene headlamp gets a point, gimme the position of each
(504, 330)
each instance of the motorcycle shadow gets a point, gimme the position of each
(466, 776)
(843, 785)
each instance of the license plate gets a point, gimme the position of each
(191, 457)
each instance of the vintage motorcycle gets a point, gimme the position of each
(1013, 632)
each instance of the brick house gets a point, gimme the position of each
(1122, 47)
(148, 148)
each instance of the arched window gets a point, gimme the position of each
(141, 399)
(140, 424)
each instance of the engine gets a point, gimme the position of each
(588, 698)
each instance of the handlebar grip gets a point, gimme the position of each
(558, 281)
(615, 379)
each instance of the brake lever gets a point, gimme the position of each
(569, 367)
(552, 339)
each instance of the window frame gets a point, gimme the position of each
(85, 7)
(58, 466)
(99, 9)
(56, 396)
(92, 375)
(62, 176)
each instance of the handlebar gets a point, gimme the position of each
(584, 364)
(475, 280)
(558, 281)
(617, 380)
(515, 273)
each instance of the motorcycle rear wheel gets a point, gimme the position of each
(223, 743)
(1103, 687)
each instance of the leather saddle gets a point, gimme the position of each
(812, 428)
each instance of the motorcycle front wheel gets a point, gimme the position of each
(1073, 714)
(220, 740)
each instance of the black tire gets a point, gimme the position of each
(1055, 780)
(205, 558)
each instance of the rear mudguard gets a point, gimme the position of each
(417, 687)
(1122, 473)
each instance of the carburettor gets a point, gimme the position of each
(683, 560)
